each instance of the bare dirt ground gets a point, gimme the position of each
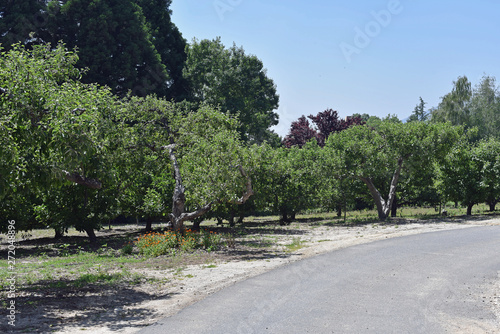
(128, 308)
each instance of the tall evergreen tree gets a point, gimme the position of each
(169, 43)
(419, 114)
(19, 19)
(114, 42)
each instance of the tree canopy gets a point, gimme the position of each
(326, 122)
(419, 113)
(235, 82)
(21, 21)
(471, 107)
(114, 43)
(384, 153)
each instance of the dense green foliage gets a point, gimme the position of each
(20, 19)
(75, 155)
(57, 128)
(103, 131)
(169, 44)
(118, 54)
(472, 107)
(285, 180)
(378, 157)
(134, 48)
(126, 45)
(469, 174)
(236, 82)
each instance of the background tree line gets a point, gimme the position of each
(134, 48)
(156, 128)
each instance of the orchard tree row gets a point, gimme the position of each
(75, 154)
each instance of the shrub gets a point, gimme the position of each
(127, 249)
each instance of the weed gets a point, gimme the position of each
(64, 250)
(296, 244)
(230, 240)
(127, 249)
(178, 271)
(87, 279)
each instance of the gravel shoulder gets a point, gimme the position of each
(278, 247)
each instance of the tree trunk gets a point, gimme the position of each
(380, 203)
(231, 218)
(339, 210)
(59, 233)
(469, 209)
(196, 224)
(178, 198)
(394, 208)
(383, 207)
(292, 216)
(149, 223)
(178, 216)
(82, 180)
(91, 234)
(284, 217)
(492, 205)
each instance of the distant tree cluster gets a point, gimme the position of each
(326, 122)
(438, 155)
(477, 107)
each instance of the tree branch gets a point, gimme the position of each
(249, 191)
(195, 214)
(77, 178)
(377, 197)
(80, 111)
(394, 183)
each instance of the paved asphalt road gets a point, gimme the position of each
(415, 284)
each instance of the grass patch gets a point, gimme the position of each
(295, 245)
(106, 278)
(57, 271)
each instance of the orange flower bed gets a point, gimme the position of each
(168, 242)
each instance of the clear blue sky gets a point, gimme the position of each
(376, 57)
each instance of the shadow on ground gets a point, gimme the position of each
(49, 310)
